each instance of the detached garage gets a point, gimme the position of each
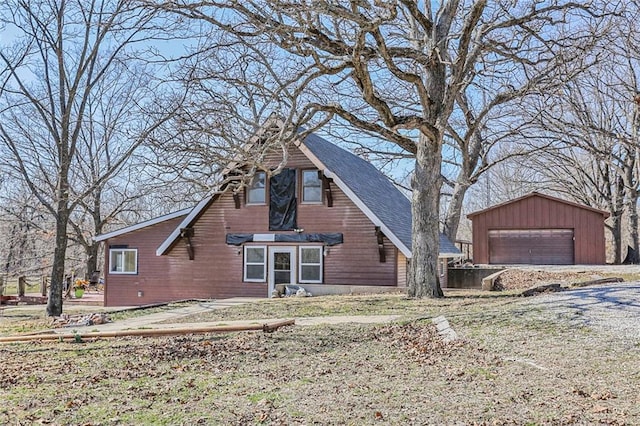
(538, 229)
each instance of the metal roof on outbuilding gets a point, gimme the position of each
(538, 194)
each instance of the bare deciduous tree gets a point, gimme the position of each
(397, 68)
(25, 247)
(51, 75)
(237, 93)
(594, 120)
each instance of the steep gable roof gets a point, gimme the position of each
(384, 204)
(365, 185)
(537, 194)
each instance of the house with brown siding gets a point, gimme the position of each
(329, 222)
(538, 229)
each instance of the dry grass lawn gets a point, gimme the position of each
(513, 365)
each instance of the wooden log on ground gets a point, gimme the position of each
(548, 288)
(598, 281)
(266, 327)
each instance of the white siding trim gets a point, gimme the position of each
(449, 255)
(141, 225)
(185, 222)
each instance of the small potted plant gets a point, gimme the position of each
(79, 286)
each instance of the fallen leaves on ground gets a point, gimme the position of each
(421, 341)
(516, 279)
(397, 374)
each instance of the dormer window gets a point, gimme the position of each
(311, 186)
(256, 192)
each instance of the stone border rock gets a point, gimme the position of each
(447, 333)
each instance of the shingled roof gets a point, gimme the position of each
(384, 204)
(365, 185)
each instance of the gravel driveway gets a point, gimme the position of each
(612, 308)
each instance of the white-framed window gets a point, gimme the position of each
(123, 261)
(255, 264)
(256, 192)
(310, 264)
(311, 186)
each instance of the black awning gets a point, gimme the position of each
(330, 239)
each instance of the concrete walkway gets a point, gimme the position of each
(162, 320)
(174, 314)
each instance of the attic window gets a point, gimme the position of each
(311, 186)
(256, 192)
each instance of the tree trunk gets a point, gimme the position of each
(22, 285)
(633, 226)
(616, 211)
(452, 220)
(426, 183)
(616, 237)
(54, 304)
(92, 258)
(93, 249)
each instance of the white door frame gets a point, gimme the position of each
(292, 250)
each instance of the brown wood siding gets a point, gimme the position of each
(217, 268)
(355, 262)
(541, 212)
(443, 269)
(151, 279)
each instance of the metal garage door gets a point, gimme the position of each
(531, 246)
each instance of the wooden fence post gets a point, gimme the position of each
(43, 285)
(22, 286)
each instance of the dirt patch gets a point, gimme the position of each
(517, 279)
